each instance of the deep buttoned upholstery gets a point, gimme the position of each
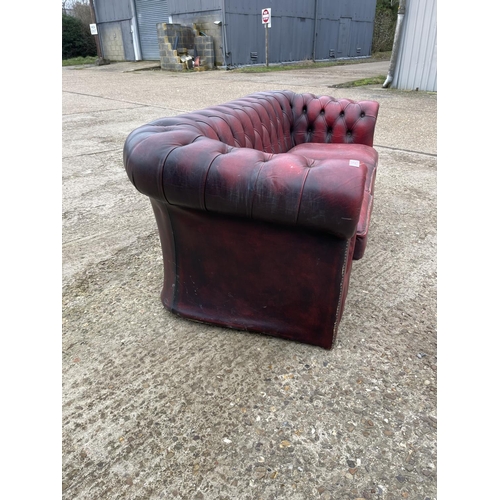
(276, 163)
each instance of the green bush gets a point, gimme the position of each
(77, 41)
(386, 15)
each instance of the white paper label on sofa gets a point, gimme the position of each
(354, 163)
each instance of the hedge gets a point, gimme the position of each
(77, 41)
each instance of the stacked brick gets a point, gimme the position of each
(111, 38)
(182, 44)
(205, 51)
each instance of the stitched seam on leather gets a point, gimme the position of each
(339, 305)
(253, 128)
(127, 166)
(161, 173)
(271, 119)
(300, 198)
(264, 127)
(343, 119)
(285, 97)
(163, 167)
(238, 107)
(354, 125)
(213, 128)
(205, 182)
(280, 122)
(208, 123)
(292, 121)
(130, 156)
(243, 110)
(254, 189)
(260, 137)
(363, 230)
(175, 294)
(234, 109)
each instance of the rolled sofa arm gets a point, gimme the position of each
(180, 166)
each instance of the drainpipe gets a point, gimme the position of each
(224, 34)
(396, 43)
(97, 38)
(315, 27)
(135, 32)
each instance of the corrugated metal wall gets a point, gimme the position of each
(344, 28)
(113, 21)
(112, 10)
(193, 6)
(416, 66)
(149, 13)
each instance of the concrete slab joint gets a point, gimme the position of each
(184, 48)
(156, 407)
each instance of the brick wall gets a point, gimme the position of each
(205, 50)
(177, 41)
(111, 41)
(205, 22)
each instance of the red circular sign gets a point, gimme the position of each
(265, 16)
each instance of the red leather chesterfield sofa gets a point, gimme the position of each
(262, 204)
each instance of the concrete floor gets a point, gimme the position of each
(155, 406)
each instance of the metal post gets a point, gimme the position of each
(315, 34)
(135, 32)
(100, 60)
(267, 45)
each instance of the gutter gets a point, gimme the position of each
(396, 44)
(135, 30)
(224, 34)
(315, 30)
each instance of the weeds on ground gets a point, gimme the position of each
(376, 80)
(78, 61)
(309, 64)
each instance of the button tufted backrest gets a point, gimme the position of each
(260, 121)
(325, 119)
(233, 159)
(276, 121)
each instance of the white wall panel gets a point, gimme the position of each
(416, 66)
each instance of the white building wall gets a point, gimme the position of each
(416, 66)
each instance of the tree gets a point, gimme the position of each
(81, 10)
(77, 41)
(386, 15)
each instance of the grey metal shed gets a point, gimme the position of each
(127, 28)
(149, 13)
(416, 63)
(300, 29)
(113, 19)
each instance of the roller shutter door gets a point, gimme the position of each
(149, 13)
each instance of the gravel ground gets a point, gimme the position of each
(155, 406)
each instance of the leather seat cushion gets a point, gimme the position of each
(365, 154)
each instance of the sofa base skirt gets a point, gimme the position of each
(253, 276)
